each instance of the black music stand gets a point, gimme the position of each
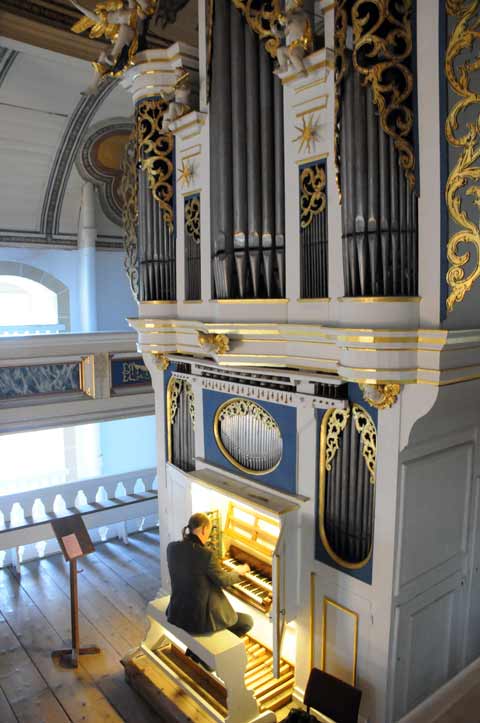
(75, 542)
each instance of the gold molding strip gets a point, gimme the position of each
(312, 620)
(319, 300)
(308, 86)
(378, 299)
(311, 159)
(302, 113)
(250, 301)
(310, 100)
(326, 602)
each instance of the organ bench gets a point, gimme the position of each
(222, 651)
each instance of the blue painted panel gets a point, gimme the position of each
(284, 477)
(126, 372)
(321, 554)
(29, 381)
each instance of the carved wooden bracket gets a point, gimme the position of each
(380, 396)
(219, 342)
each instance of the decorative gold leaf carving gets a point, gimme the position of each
(313, 199)
(220, 342)
(192, 217)
(244, 407)
(128, 194)
(368, 437)
(308, 134)
(380, 396)
(337, 422)
(341, 67)
(175, 387)
(261, 20)
(154, 153)
(382, 32)
(465, 175)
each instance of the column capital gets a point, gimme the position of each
(155, 72)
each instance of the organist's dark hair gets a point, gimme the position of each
(198, 519)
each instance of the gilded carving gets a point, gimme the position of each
(380, 396)
(174, 389)
(382, 45)
(155, 148)
(244, 407)
(465, 175)
(308, 134)
(163, 362)
(341, 67)
(220, 342)
(128, 194)
(368, 436)
(313, 198)
(192, 217)
(262, 19)
(336, 423)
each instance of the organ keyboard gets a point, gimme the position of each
(250, 537)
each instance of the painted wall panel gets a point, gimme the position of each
(435, 494)
(284, 476)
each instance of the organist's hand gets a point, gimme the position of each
(242, 569)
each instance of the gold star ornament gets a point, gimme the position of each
(308, 134)
(186, 173)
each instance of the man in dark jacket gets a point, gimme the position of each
(198, 603)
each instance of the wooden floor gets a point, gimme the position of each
(115, 585)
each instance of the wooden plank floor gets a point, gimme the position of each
(115, 585)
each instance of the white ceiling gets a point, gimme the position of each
(37, 98)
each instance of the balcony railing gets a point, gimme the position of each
(111, 506)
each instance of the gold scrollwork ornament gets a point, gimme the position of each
(128, 194)
(382, 32)
(244, 408)
(463, 180)
(313, 199)
(380, 396)
(192, 217)
(337, 421)
(368, 437)
(262, 20)
(155, 148)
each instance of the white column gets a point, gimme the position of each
(87, 237)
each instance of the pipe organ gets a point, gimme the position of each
(307, 176)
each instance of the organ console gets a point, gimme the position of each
(250, 524)
(257, 526)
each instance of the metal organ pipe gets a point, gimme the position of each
(247, 171)
(378, 206)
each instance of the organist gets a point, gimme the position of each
(198, 603)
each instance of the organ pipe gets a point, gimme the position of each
(247, 183)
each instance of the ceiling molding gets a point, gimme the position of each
(90, 166)
(6, 61)
(68, 148)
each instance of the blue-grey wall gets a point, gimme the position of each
(114, 299)
(128, 444)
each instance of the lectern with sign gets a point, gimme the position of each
(75, 542)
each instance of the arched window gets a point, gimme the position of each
(31, 301)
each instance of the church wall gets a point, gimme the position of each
(436, 629)
(111, 282)
(127, 444)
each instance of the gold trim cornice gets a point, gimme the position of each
(360, 355)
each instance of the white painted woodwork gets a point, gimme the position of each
(223, 651)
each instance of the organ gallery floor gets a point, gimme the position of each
(116, 583)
